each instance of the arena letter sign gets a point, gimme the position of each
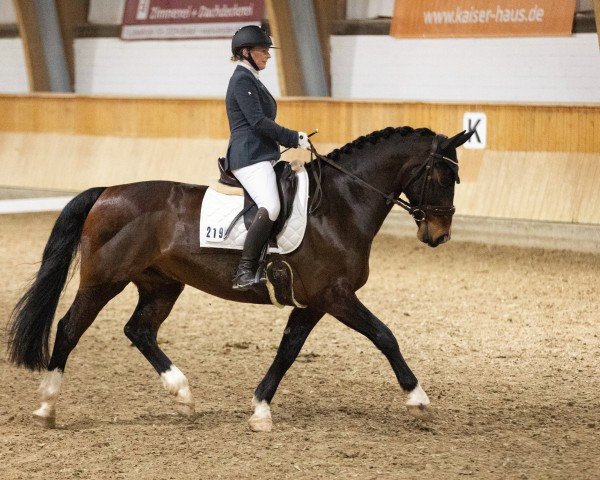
(482, 18)
(477, 122)
(171, 19)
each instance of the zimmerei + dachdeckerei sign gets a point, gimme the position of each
(185, 19)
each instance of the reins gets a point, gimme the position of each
(419, 212)
(388, 196)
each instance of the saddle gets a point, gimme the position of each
(279, 275)
(287, 184)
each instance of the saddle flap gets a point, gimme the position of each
(287, 184)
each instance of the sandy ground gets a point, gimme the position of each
(504, 340)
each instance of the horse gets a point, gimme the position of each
(147, 233)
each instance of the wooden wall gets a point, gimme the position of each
(511, 127)
(541, 162)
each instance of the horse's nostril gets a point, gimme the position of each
(439, 240)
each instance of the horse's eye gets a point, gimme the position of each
(444, 177)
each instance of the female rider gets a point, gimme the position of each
(254, 143)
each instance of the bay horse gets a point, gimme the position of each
(147, 233)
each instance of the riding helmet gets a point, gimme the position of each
(250, 36)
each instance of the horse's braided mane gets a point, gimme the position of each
(374, 137)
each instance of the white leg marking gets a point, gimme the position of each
(261, 409)
(417, 397)
(49, 390)
(261, 421)
(176, 383)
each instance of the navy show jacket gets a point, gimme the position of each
(251, 111)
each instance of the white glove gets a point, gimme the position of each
(303, 141)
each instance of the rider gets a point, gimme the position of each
(254, 142)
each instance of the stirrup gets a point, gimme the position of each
(243, 281)
(257, 279)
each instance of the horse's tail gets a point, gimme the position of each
(31, 319)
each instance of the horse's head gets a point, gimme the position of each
(428, 181)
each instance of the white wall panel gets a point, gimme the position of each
(7, 12)
(106, 12)
(177, 68)
(13, 74)
(369, 8)
(536, 69)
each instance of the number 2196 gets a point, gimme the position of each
(212, 232)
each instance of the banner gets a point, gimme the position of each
(482, 18)
(170, 19)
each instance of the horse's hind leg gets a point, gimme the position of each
(299, 326)
(158, 294)
(84, 310)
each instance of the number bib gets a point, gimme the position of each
(213, 233)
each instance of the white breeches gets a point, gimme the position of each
(259, 181)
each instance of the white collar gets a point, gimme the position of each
(254, 72)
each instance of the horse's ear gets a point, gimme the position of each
(457, 140)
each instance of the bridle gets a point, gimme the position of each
(419, 211)
(422, 209)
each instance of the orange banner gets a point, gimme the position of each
(482, 18)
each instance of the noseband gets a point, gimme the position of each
(419, 211)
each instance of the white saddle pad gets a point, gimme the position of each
(218, 211)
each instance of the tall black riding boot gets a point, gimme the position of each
(257, 236)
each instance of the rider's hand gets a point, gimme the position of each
(303, 140)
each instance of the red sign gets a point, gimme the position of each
(152, 19)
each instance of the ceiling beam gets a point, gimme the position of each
(37, 72)
(46, 61)
(291, 80)
(327, 12)
(597, 15)
(71, 14)
(310, 54)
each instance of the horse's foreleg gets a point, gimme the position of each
(349, 310)
(300, 324)
(157, 298)
(86, 306)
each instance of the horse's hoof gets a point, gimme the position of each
(421, 411)
(258, 424)
(43, 420)
(418, 403)
(186, 409)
